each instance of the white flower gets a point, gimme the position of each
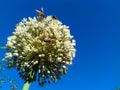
(43, 47)
(15, 54)
(59, 59)
(9, 55)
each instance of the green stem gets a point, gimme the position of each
(2, 47)
(26, 86)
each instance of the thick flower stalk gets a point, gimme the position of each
(40, 49)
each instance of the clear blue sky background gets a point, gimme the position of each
(95, 25)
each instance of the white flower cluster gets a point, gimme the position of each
(37, 42)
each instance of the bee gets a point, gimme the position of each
(41, 13)
(49, 40)
(54, 17)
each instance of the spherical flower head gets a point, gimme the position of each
(40, 49)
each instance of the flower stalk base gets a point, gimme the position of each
(26, 86)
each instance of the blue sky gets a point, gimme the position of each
(95, 25)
